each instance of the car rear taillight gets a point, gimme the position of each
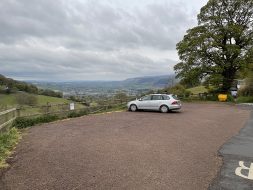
(175, 103)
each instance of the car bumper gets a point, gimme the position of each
(175, 107)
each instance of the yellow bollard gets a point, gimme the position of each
(222, 97)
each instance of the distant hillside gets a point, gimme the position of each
(138, 82)
(151, 81)
(131, 86)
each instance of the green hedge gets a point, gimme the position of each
(77, 114)
(23, 122)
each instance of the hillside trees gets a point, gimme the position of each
(14, 85)
(220, 45)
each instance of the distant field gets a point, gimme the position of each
(9, 101)
(42, 100)
(198, 89)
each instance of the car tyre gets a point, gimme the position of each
(164, 109)
(133, 108)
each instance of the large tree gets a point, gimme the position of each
(220, 45)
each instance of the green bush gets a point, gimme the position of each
(77, 114)
(178, 90)
(212, 97)
(230, 98)
(23, 122)
(46, 118)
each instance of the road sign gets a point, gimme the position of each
(72, 106)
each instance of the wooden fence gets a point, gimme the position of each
(61, 110)
(7, 117)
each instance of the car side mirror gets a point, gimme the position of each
(140, 99)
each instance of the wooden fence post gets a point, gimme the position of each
(18, 112)
(47, 108)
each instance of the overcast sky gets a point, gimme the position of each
(63, 40)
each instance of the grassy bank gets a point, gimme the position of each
(244, 99)
(8, 141)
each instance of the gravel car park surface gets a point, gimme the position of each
(126, 150)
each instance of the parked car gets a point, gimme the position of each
(157, 102)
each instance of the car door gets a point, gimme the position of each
(156, 102)
(144, 102)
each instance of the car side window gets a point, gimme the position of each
(166, 97)
(145, 98)
(157, 97)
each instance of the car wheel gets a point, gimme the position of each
(133, 107)
(164, 109)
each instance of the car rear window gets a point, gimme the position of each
(175, 97)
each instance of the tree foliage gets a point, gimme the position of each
(177, 89)
(248, 89)
(220, 45)
(13, 85)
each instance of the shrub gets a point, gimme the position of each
(23, 122)
(230, 98)
(77, 114)
(212, 97)
(46, 119)
(179, 90)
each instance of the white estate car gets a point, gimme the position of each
(158, 102)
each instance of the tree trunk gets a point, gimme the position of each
(228, 78)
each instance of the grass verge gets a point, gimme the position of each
(245, 99)
(8, 141)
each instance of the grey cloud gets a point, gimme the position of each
(92, 23)
(59, 37)
(61, 63)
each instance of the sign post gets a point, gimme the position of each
(72, 106)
